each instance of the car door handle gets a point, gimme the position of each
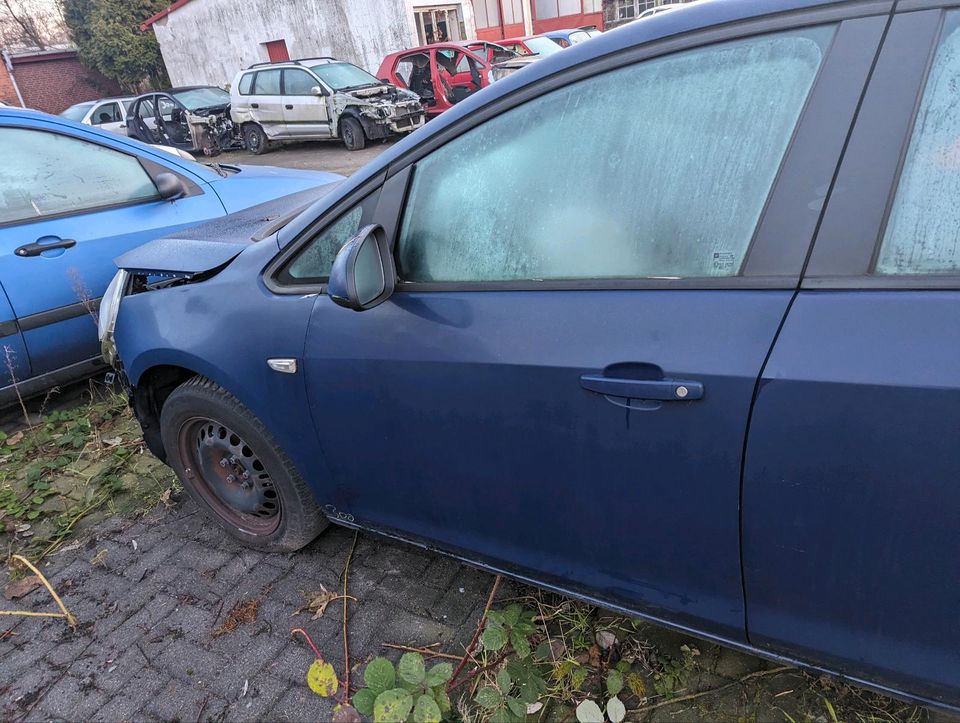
(288, 106)
(35, 249)
(664, 390)
(254, 105)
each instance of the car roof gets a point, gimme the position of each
(699, 15)
(449, 45)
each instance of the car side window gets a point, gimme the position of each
(656, 170)
(106, 113)
(246, 84)
(48, 174)
(298, 82)
(921, 233)
(267, 82)
(312, 264)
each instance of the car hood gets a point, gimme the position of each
(211, 245)
(252, 185)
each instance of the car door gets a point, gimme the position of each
(304, 111)
(561, 383)
(71, 204)
(266, 102)
(108, 117)
(851, 494)
(13, 352)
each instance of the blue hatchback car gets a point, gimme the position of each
(702, 366)
(71, 199)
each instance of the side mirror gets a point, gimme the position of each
(363, 274)
(169, 186)
(317, 90)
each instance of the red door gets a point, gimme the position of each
(277, 51)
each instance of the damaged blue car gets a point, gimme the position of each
(700, 365)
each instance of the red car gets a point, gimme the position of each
(539, 45)
(442, 74)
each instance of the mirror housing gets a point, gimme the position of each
(169, 186)
(317, 90)
(363, 275)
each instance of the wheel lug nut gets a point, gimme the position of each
(231, 478)
(245, 475)
(223, 462)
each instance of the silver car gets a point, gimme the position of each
(109, 114)
(317, 99)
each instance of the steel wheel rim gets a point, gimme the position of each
(229, 475)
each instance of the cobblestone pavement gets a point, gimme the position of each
(145, 647)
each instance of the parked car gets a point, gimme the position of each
(570, 36)
(650, 12)
(728, 403)
(71, 199)
(538, 45)
(194, 119)
(501, 61)
(442, 74)
(109, 114)
(318, 99)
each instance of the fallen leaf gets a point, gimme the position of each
(165, 498)
(322, 678)
(534, 707)
(112, 441)
(135, 545)
(22, 528)
(594, 656)
(317, 602)
(244, 612)
(15, 438)
(16, 590)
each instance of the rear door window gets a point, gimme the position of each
(922, 234)
(267, 82)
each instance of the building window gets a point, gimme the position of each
(626, 9)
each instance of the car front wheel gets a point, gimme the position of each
(352, 134)
(230, 465)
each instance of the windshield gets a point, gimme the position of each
(202, 97)
(542, 45)
(343, 75)
(579, 36)
(77, 112)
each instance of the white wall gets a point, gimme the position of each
(206, 42)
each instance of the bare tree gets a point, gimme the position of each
(31, 24)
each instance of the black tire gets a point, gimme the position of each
(270, 508)
(255, 139)
(352, 134)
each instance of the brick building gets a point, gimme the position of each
(50, 80)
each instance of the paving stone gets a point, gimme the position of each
(258, 704)
(128, 703)
(301, 704)
(185, 701)
(72, 699)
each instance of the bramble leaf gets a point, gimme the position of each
(392, 706)
(379, 675)
(426, 710)
(322, 678)
(363, 701)
(411, 669)
(494, 638)
(589, 712)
